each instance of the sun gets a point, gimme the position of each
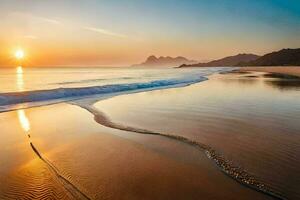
(19, 54)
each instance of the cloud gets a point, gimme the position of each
(25, 15)
(51, 21)
(105, 32)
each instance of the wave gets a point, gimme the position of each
(7, 100)
(226, 166)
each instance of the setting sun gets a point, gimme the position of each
(19, 54)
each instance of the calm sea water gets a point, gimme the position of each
(28, 79)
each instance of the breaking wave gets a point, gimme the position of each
(65, 94)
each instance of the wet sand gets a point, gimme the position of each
(100, 162)
(282, 70)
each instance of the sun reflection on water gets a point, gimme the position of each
(20, 80)
(23, 120)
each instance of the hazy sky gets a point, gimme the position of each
(90, 32)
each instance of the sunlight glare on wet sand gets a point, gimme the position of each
(24, 122)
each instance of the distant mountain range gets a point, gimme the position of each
(227, 61)
(284, 57)
(153, 61)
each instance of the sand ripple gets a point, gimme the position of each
(39, 179)
(33, 181)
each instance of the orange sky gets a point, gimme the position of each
(68, 33)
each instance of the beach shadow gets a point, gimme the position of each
(275, 80)
(235, 78)
(281, 76)
(284, 84)
(251, 76)
(282, 81)
(236, 72)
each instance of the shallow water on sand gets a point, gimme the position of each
(251, 118)
(100, 162)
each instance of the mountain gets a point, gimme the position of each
(284, 57)
(227, 61)
(153, 61)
